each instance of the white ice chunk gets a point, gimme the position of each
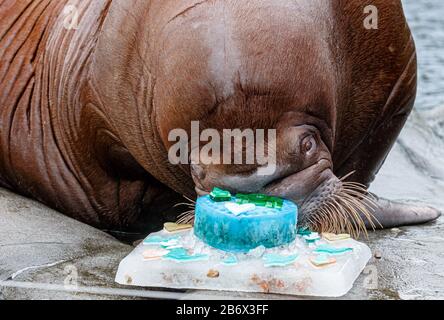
(238, 209)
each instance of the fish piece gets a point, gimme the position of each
(182, 255)
(335, 237)
(332, 250)
(322, 260)
(175, 227)
(154, 254)
(158, 240)
(276, 260)
(230, 261)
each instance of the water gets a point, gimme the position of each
(426, 18)
(427, 23)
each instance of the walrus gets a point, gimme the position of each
(87, 107)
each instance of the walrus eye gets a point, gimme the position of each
(308, 144)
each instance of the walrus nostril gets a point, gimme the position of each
(198, 172)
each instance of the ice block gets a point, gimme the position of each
(224, 224)
(295, 269)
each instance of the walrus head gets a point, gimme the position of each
(247, 67)
(304, 174)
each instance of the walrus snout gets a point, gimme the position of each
(296, 186)
(300, 185)
(303, 162)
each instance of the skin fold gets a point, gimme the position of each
(85, 113)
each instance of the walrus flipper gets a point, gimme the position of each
(390, 214)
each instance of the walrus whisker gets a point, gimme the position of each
(355, 205)
(364, 203)
(362, 193)
(364, 210)
(191, 200)
(353, 225)
(329, 211)
(310, 222)
(337, 209)
(357, 189)
(350, 203)
(333, 220)
(190, 205)
(337, 226)
(342, 201)
(186, 218)
(314, 221)
(345, 210)
(186, 213)
(328, 223)
(356, 185)
(320, 217)
(348, 175)
(369, 200)
(324, 221)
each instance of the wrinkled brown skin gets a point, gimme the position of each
(85, 114)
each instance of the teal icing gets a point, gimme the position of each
(304, 231)
(164, 241)
(171, 243)
(326, 249)
(268, 227)
(230, 261)
(312, 237)
(172, 247)
(276, 260)
(182, 255)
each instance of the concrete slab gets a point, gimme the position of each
(40, 245)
